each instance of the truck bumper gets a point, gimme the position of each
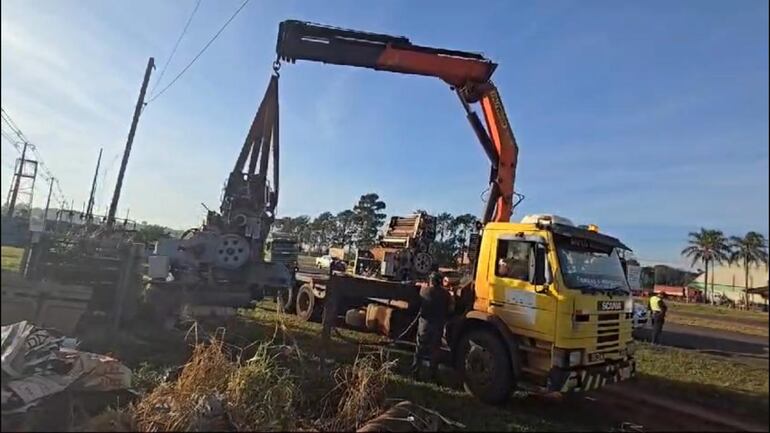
(590, 378)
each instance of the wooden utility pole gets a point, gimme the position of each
(90, 207)
(127, 151)
(17, 182)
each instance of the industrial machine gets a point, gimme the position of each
(546, 302)
(223, 263)
(403, 252)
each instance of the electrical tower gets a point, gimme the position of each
(23, 184)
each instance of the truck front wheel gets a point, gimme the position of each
(482, 360)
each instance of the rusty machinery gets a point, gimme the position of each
(403, 252)
(222, 263)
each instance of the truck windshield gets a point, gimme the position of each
(590, 269)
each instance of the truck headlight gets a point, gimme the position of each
(575, 357)
(566, 358)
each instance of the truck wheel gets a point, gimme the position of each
(307, 306)
(285, 300)
(482, 360)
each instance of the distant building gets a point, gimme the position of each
(729, 281)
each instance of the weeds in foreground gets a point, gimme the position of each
(359, 394)
(218, 390)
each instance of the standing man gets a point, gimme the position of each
(658, 309)
(434, 307)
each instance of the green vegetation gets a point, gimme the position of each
(750, 250)
(721, 318)
(715, 317)
(708, 247)
(707, 380)
(716, 312)
(11, 258)
(150, 233)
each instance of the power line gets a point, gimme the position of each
(201, 51)
(41, 165)
(13, 142)
(176, 45)
(11, 124)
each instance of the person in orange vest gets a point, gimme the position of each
(658, 310)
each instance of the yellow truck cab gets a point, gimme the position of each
(551, 307)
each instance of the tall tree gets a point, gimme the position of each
(443, 226)
(344, 228)
(748, 250)
(150, 233)
(463, 226)
(368, 218)
(708, 247)
(321, 230)
(298, 226)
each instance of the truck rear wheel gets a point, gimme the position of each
(482, 360)
(307, 306)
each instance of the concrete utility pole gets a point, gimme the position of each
(90, 207)
(48, 201)
(127, 151)
(17, 182)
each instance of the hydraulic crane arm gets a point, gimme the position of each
(468, 73)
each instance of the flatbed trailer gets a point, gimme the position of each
(382, 306)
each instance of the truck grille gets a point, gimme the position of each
(608, 332)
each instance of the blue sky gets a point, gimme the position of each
(649, 119)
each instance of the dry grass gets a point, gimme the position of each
(177, 406)
(359, 394)
(261, 394)
(217, 390)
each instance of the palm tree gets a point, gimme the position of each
(748, 250)
(708, 247)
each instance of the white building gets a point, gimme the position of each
(729, 281)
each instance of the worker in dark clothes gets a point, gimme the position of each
(434, 308)
(658, 309)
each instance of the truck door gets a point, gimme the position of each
(519, 281)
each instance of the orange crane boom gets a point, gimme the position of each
(469, 74)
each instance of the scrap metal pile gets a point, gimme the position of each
(107, 262)
(403, 252)
(45, 376)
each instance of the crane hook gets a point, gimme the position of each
(276, 67)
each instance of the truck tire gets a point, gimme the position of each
(285, 300)
(308, 308)
(483, 363)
